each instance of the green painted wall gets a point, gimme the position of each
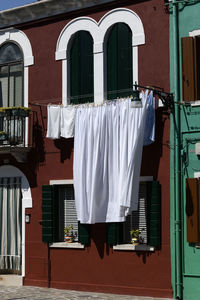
(188, 20)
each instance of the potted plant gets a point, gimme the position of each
(2, 112)
(68, 234)
(18, 111)
(135, 234)
(3, 136)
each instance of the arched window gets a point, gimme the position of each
(81, 68)
(119, 61)
(11, 75)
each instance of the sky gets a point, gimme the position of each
(6, 4)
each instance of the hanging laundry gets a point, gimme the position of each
(107, 158)
(67, 121)
(53, 122)
(149, 132)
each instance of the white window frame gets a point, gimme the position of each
(74, 245)
(20, 38)
(98, 31)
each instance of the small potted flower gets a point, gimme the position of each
(68, 234)
(20, 111)
(135, 234)
(2, 112)
(3, 136)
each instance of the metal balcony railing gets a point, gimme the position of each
(12, 127)
(12, 131)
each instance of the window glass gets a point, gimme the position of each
(4, 86)
(11, 75)
(119, 61)
(81, 68)
(10, 52)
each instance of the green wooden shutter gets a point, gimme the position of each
(154, 213)
(50, 215)
(84, 233)
(114, 233)
(119, 62)
(81, 68)
(192, 210)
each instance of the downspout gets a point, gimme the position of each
(177, 149)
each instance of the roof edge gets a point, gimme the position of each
(43, 9)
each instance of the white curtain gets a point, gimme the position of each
(10, 223)
(107, 157)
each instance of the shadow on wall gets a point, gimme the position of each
(66, 148)
(155, 150)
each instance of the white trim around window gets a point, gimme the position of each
(98, 32)
(74, 245)
(11, 171)
(20, 38)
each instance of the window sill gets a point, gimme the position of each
(130, 247)
(67, 245)
(195, 103)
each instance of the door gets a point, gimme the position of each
(10, 225)
(191, 218)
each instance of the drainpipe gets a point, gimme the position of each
(177, 149)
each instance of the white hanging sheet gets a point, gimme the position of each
(107, 158)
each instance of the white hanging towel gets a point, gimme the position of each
(107, 157)
(53, 121)
(67, 121)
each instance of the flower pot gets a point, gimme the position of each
(20, 112)
(135, 241)
(3, 136)
(68, 239)
(2, 113)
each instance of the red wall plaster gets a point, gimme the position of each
(96, 268)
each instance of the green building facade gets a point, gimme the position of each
(185, 142)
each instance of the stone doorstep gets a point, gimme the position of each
(10, 280)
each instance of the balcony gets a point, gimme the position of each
(12, 132)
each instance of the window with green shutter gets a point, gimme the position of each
(119, 62)
(58, 212)
(81, 68)
(147, 218)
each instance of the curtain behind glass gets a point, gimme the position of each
(10, 224)
(11, 75)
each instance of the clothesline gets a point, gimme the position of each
(46, 102)
(60, 118)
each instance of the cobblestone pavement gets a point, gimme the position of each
(32, 293)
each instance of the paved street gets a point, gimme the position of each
(31, 293)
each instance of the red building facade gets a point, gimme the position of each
(97, 266)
